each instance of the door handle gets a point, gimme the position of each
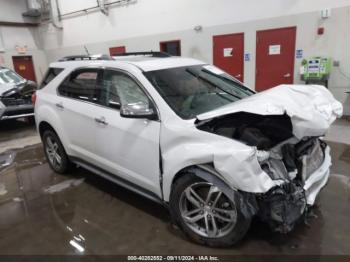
(287, 75)
(59, 105)
(101, 121)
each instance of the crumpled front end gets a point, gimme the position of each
(305, 169)
(306, 163)
(16, 102)
(285, 179)
(288, 163)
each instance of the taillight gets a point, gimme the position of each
(33, 98)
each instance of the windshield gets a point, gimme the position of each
(9, 77)
(193, 90)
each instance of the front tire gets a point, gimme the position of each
(205, 213)
(55, 153)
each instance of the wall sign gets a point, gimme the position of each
(247, 57)
(228, 52)
(299, 53)
(21, 49)
(274, 49)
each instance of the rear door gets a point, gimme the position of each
(228, 54)
(275, 57)
(125, 146)
(76, 105)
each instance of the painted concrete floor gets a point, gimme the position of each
(45, 213)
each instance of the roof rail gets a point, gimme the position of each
(150, 53)
(85, 57)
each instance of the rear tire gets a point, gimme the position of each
(216, 228)
(55, 153)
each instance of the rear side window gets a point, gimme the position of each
(50, 75)
(81, 85)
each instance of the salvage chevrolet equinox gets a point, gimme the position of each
(186, 134)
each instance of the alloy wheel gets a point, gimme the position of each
(53, 154)
(207, 211)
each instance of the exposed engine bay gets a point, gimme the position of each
(20, 91)
(16, 101)
(281, 155)
(264, 132)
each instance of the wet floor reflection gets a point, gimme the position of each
(45, 213)
(16, 128)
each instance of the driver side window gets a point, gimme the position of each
(119, 89)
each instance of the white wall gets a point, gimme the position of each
(142, 24)
(149, 17)
(11, 36)
(22, 36)
(11, 10)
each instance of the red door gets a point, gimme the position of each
(171, 47)
(228, 51)
(24, 67)
(117, 50)
(275, 51)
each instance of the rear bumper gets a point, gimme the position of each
(318, 179)
(13, 112)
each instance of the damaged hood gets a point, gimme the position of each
(21, 89)
(4, 88)
(311, 108)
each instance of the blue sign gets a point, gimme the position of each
(299, 53)
(247, 57)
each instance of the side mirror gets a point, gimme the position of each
(138, 110)
(114, 104)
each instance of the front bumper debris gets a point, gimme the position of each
(283, 206)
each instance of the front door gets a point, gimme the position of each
(23, 65)
(127, 147)
(275, 51)
(228, 54)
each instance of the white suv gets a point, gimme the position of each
(188, 135)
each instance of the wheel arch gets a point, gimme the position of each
(43, 126)
(247, 201)
(203, 171)
(47, 118)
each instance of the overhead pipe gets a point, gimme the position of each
(104, 9)
(34, 9)
(103, 6)
(98, 6)
(57, 9)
